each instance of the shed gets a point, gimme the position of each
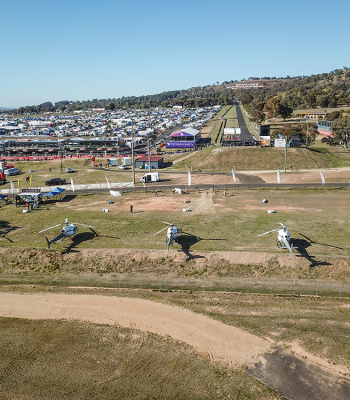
(156, 162)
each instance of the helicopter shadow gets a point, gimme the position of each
(186, 241)
(303, 245)
(83, 237)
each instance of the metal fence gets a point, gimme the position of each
(274, 286)
(76, 187)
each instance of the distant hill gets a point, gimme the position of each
(6, 108)
(323, 90)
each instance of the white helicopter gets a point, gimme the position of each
(69, 230)
(171, 234)
(283, 237)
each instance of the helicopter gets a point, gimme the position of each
(283, 237)
(69, 230)
(171, 234)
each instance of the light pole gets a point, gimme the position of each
(149, 155)
(307, 131)
(285, 154)
(61, 156)
(132, 151)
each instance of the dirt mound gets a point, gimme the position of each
(174, 264)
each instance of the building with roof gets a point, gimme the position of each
(156, 162)
(184, 139)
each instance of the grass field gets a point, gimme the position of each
(227, 224)
(104, 362)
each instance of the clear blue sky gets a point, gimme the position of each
(80, 50)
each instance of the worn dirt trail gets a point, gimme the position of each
(212, 339)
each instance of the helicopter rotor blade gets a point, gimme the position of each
(164, 222)
(161, 231)
(76, 223)
(273, 230)
(300, 230)
(51, 227)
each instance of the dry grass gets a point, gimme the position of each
(71, 360)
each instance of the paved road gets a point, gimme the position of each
(245, 134)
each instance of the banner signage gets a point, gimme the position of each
(280, 142)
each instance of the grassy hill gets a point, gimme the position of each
(253, 158)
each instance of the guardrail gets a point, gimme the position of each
(88, 186)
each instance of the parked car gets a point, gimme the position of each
(69, 170)
(55, 181)
(12, 171)
(123, 166)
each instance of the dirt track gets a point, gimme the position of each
(212, 339)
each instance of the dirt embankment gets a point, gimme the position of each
(176, 263)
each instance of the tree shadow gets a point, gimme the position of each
(68, 197)
(5, 228)
(302, 246)
(186, 241)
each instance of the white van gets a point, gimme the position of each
(12, 171)
(150, 177)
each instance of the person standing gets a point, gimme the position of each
(131, 208)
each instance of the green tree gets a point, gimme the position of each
(341, 133)
(285, 111)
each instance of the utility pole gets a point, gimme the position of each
(61, 156)
(149, 155)
(307, 131)
(285, 155)
(132, 151)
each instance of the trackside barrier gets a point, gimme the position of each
(46, 189)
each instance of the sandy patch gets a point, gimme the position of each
(212, 339)
(204, 204)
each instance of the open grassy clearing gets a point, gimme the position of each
(84, 174)
(94, 361)
(218, 223)
(226, 226)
